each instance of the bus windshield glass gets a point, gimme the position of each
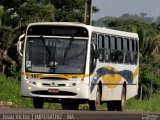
(56, 55)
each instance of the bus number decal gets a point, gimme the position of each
(34, 75)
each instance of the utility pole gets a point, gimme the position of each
(88, 12)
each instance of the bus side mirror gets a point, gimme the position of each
(19, 44)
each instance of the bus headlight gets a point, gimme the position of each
(39, 84)
(78, 89)
(29, 88)
(73, 84)
(68, 85)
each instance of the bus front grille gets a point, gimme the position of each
(63, 93)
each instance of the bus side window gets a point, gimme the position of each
(131, 43)
(94, 39)
(107, 48)
(101, 47)
(126, 50)
(92, 52)
(92, 59)
(119, 50)
(137, 46)
(113, 49)
(136, 50)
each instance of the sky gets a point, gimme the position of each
(116, 8)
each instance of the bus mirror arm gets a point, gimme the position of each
(19, 47)
(19, 44)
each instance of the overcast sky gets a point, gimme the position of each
(116, 8)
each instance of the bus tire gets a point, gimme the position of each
(94, 105)
(120, 105)
(38, 103)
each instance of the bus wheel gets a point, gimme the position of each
(38, 103)
(121, 104)
(94, 105)
(69, 105)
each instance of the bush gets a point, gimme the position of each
(12, 71)
(149, 79)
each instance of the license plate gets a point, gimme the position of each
(53, 90)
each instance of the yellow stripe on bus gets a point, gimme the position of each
(135, 73)
(65, 76)
(113, 80)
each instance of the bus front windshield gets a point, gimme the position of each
(55, 55)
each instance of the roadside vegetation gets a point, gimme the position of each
(15, 16)
(10, 96)
(10, 93)
(147, 105)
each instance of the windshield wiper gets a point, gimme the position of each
(68, 48)
(52, 64)
(54, 56)
(47, 48)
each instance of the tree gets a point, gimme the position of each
(69, 10)
(95, 9)
(34, 11)
(11, 5)
(16, 14)
(10, 8)
(20, 12)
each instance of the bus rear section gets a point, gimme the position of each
(114, 69)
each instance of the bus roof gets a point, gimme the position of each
(91, 28)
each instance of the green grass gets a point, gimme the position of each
(10, 94)
(150, 105)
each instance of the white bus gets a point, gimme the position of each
(74, 63)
